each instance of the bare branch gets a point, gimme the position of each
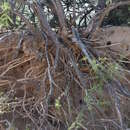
(76, 39)
(61, 16)
(116, 101)
(45, 27)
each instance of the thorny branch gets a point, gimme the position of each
(35, 72)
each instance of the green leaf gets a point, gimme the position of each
(5, 19)
(5, 6)
(57, 104)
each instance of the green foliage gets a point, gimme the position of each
(57, 104)
(12, 128)
(27, 128)
(4, 16)
(103, 103)
(95, 88)
(95, 65)
(5, 6)
(113, 70)
(104, 70)
(89, 100)
(78, 122)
